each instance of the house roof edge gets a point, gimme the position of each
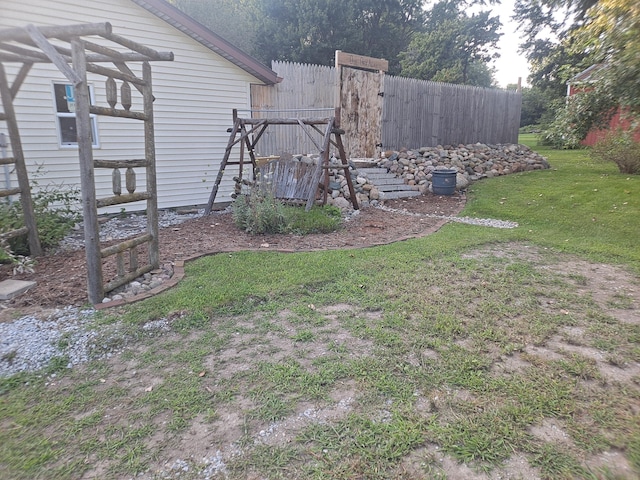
(192, 28)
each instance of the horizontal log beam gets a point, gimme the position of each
(62, 31)
(285, 121)
(120, 199)
(14, 233)
(113, 112)
(110, 72)
(102, 50)
(5, 56)
(7, 160)
(14, 58)
(10, 191)
(118, 282)
(124, 246)
(130, 57)
(138, 162)
(24, 52)
(137, 47)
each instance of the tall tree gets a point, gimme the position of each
(233, 20)
(548, 28)
(612, 31)
(310, 31)
(454, 47)
(589, 32)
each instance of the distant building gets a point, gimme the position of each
(580, 83)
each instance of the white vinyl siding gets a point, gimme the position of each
(195, 95)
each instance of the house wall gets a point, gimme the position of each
(194, 97)
(617, 122)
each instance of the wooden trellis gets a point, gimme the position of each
(247, 132)
(74, 56)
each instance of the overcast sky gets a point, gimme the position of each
(511, 64)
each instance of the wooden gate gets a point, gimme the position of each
(360, 96)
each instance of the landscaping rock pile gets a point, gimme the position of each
(415, 167)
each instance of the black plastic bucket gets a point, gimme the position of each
(444, 181)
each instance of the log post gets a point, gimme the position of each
(95, 285)
(35, 248)
(345, 161)
(150, 157)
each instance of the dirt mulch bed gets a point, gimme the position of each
(61, 278)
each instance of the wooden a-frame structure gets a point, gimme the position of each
(248, 131)
(74, 56)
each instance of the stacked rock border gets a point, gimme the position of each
(415, 167)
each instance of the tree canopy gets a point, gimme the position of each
(441, 43)
(453, 47)
(564, 37)
(612, 32)
(310, 31)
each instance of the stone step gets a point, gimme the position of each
(399, 194)
(388, 184)
(361, 163)
(366, 171)
(379, 175)
(386, 181)
(395, 188)
(11, 288)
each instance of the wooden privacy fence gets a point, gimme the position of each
(415, 113)
(307, 91)
(419, 113)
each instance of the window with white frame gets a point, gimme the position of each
(65, 103)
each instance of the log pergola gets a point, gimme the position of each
(247, 132)
(74, 55)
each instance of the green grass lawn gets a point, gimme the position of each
(474, 350)
(577, 206)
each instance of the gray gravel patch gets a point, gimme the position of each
(119, 228)
(29, 344)
(483, 222)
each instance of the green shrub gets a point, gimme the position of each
(576, 116)
(563, 132)
(620, 148)
(56, 212)
(259, 213)
(535, 128)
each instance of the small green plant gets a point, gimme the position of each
(319, 219)
(620, 148)
(259, 213)
(21, 263)
(56, 211)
